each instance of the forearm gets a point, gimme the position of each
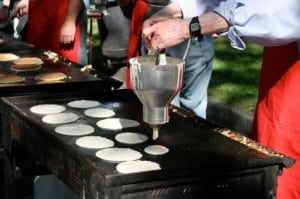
(212, 23)
(73, 10)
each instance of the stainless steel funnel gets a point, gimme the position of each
(155, 86)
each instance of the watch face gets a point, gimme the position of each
(194, 27)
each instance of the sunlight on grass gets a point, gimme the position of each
(236, 75)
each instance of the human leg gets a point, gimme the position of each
(197, 74)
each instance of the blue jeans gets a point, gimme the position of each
(83, 57)
(197, 74)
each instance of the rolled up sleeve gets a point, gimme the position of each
(265, 22)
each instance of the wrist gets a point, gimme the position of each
(195, 28)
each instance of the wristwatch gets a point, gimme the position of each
(195, 28)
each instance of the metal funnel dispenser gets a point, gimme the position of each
(155, 86)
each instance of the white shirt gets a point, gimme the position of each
(265, 22)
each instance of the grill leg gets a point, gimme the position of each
(7, 181)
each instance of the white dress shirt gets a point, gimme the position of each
(265, 22)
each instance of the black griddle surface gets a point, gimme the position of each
(75, 80)
(195, 149)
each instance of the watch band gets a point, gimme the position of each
(195, 28)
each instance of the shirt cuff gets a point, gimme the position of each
(226, 9)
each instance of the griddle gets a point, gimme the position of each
(204, 160)
(76, 79)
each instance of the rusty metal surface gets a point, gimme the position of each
(197, 149)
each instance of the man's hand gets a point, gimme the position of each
(166, 33)
(161, 30)
(67, 32)
(20, 8)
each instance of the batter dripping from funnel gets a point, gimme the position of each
(156, 85)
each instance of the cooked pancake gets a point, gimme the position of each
(8, 57)
(52, 82)
(50, 76)
(25, 67)
(10, 78)
(28, 60)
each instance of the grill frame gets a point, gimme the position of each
(76, 80)
(98, 180)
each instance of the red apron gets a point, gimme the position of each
(45, 19)
(277, 118)
(138, 15)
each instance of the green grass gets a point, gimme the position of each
(236, 75)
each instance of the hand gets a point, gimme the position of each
(21, 8)
(67, 32)
(4, 14)
(166, 33)
(147, 25)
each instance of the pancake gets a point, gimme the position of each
(25, 67)
(83, 103)
(131, 138)
(74, 129)
(137, 166)
(94, 142)
(156, 149)
(117, 123)
(50, 76)
(45, 109)
(116, 154)
(51, 82)
(60, 118)
(28, 61)
(8, 57)
(99, 112)
(10, 78)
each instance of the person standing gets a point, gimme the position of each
(62, 30)
(277, 117)
(59, 26)
(198, 54)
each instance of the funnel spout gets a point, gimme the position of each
(155, 131)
